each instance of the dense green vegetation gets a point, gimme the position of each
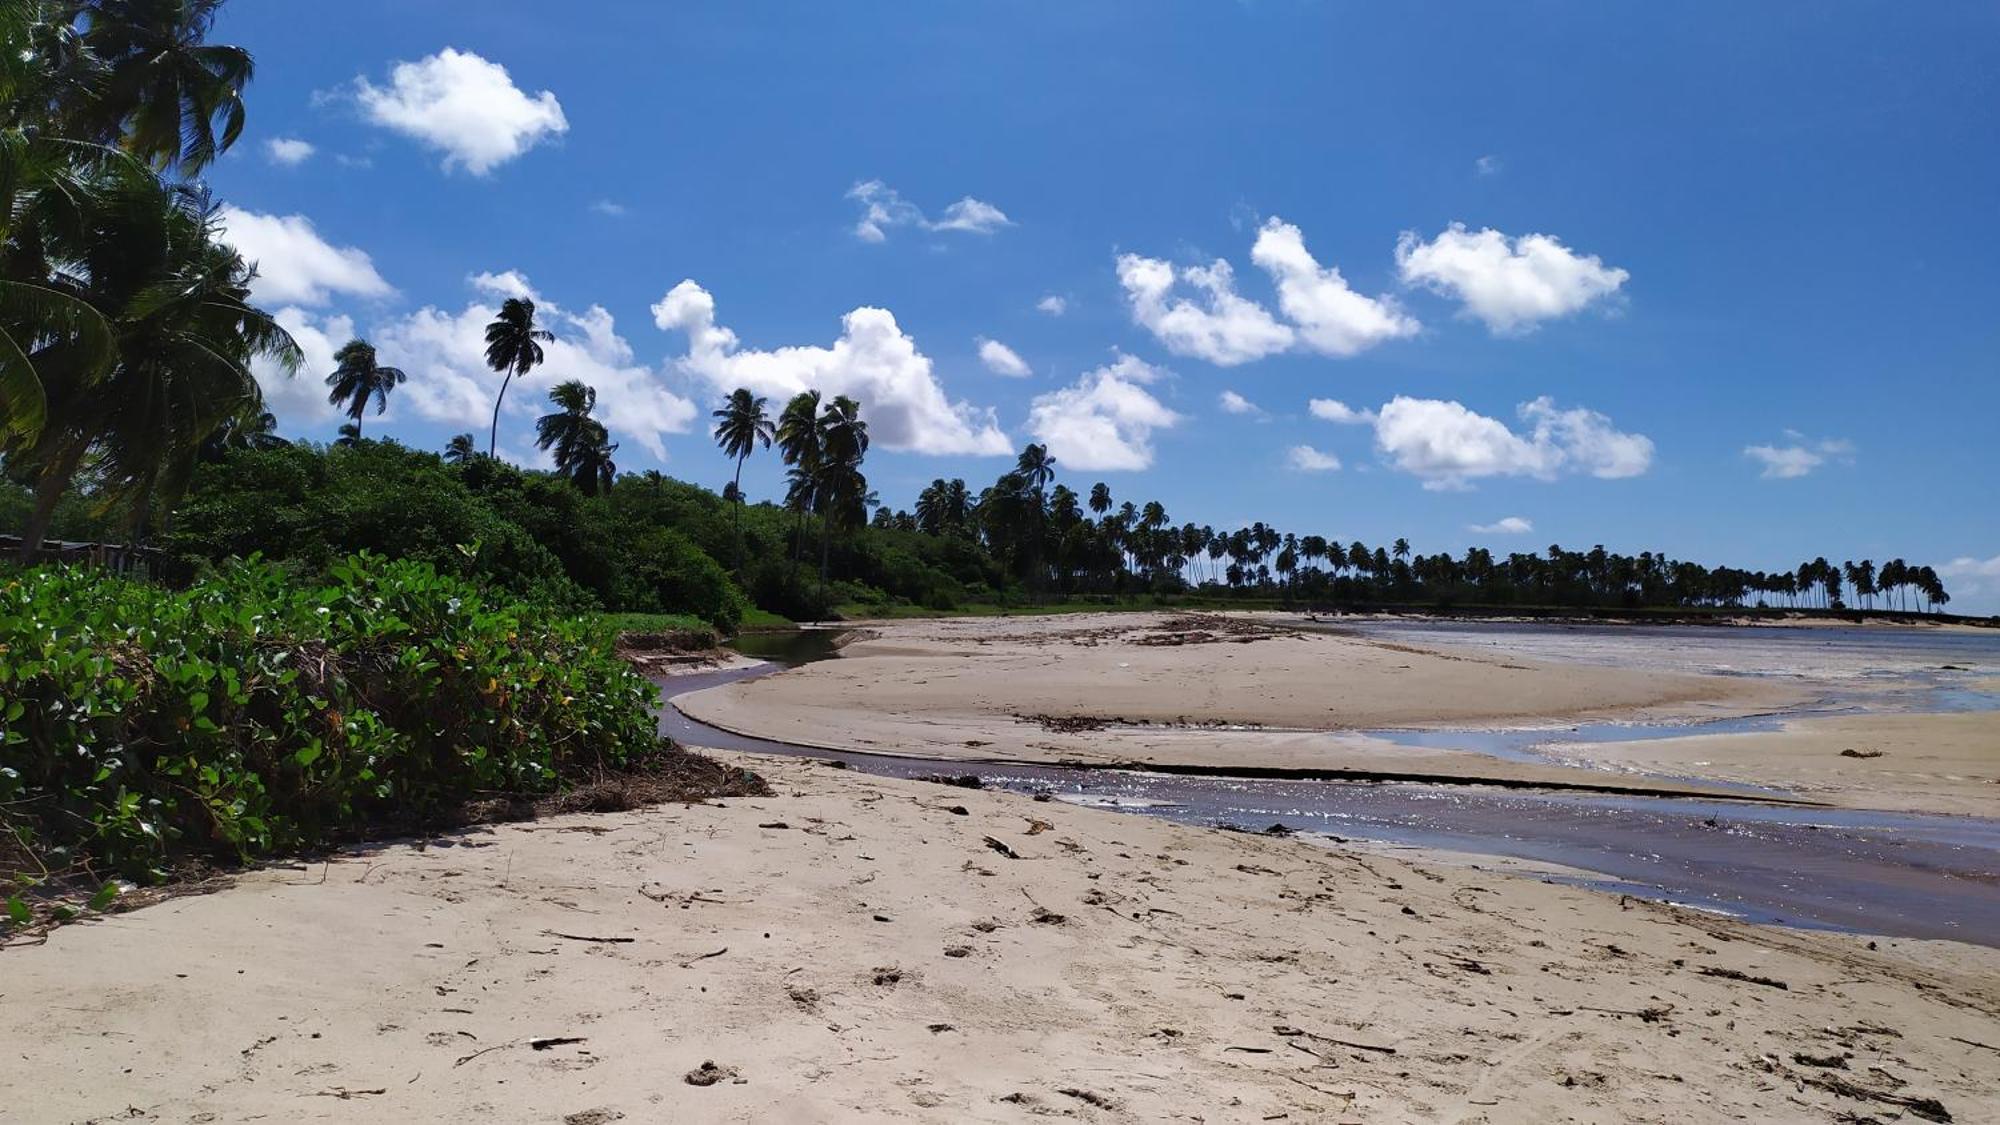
(232, 709)
(126, 332)
(648, 544)
(250, 714)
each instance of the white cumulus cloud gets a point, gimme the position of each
(295, 266)
(873, 361)
(1216, 324)
(1333, 410)
(463, 106)
(1445, 445)
(1799, 457)
(1052, 305)
(1510, 525)
(299, 401)
(1332, 318)
(883, 209)
(1002, 360)
(1105, 420)
(1196, 310)
(505, 284)
(1306, 459)
(1233, 403)
(288, 151)
(1587, 440)
(444, 354)
(1508, 284)
(969, 214)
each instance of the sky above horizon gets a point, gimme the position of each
(1716, 280)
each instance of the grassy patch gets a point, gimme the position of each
(617, 623)
(755, 618)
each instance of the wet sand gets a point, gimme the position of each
(861, 948)
(1901, 874)
(1213, 691)
(1914, 763)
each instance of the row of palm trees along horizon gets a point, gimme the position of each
(1040, 526)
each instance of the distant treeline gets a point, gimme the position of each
(648, 543)
(1054, 538)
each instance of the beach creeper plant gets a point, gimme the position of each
(251, 714)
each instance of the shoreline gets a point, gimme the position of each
(1468, 768)
(1154, 688)
(858, 947)
(1253, 696)
(1474, 615)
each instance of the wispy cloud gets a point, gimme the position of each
(1233, 403)
(288, 151)
(883, 209)
(1002, 360)
(1306, 459)
(1800, 456)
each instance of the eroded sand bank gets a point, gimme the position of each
(1154, 688)
(1905, 763)
(861, 949)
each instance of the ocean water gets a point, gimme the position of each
(1849, 667)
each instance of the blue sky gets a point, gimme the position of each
(1746, 253)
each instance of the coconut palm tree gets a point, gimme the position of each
(513, 347)
(799, 439)
(160, 88)
(51, 188)
(1100, 498)
(149, 263)
(582, 447)
(251, 430)
(839, 490)
(357, 378)
(1036, 467)
(594, 470)
(460, 450)
(740, 425)
(348, 436)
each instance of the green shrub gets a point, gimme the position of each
(310, 507)
(252, 714)
(787, 589)
(665, 573)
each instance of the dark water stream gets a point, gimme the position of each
(1873, 872)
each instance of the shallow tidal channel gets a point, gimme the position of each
(1895, 874)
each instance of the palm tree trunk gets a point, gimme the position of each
(493, 434)
(825, 542)
(736, 515)
(49, 490)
